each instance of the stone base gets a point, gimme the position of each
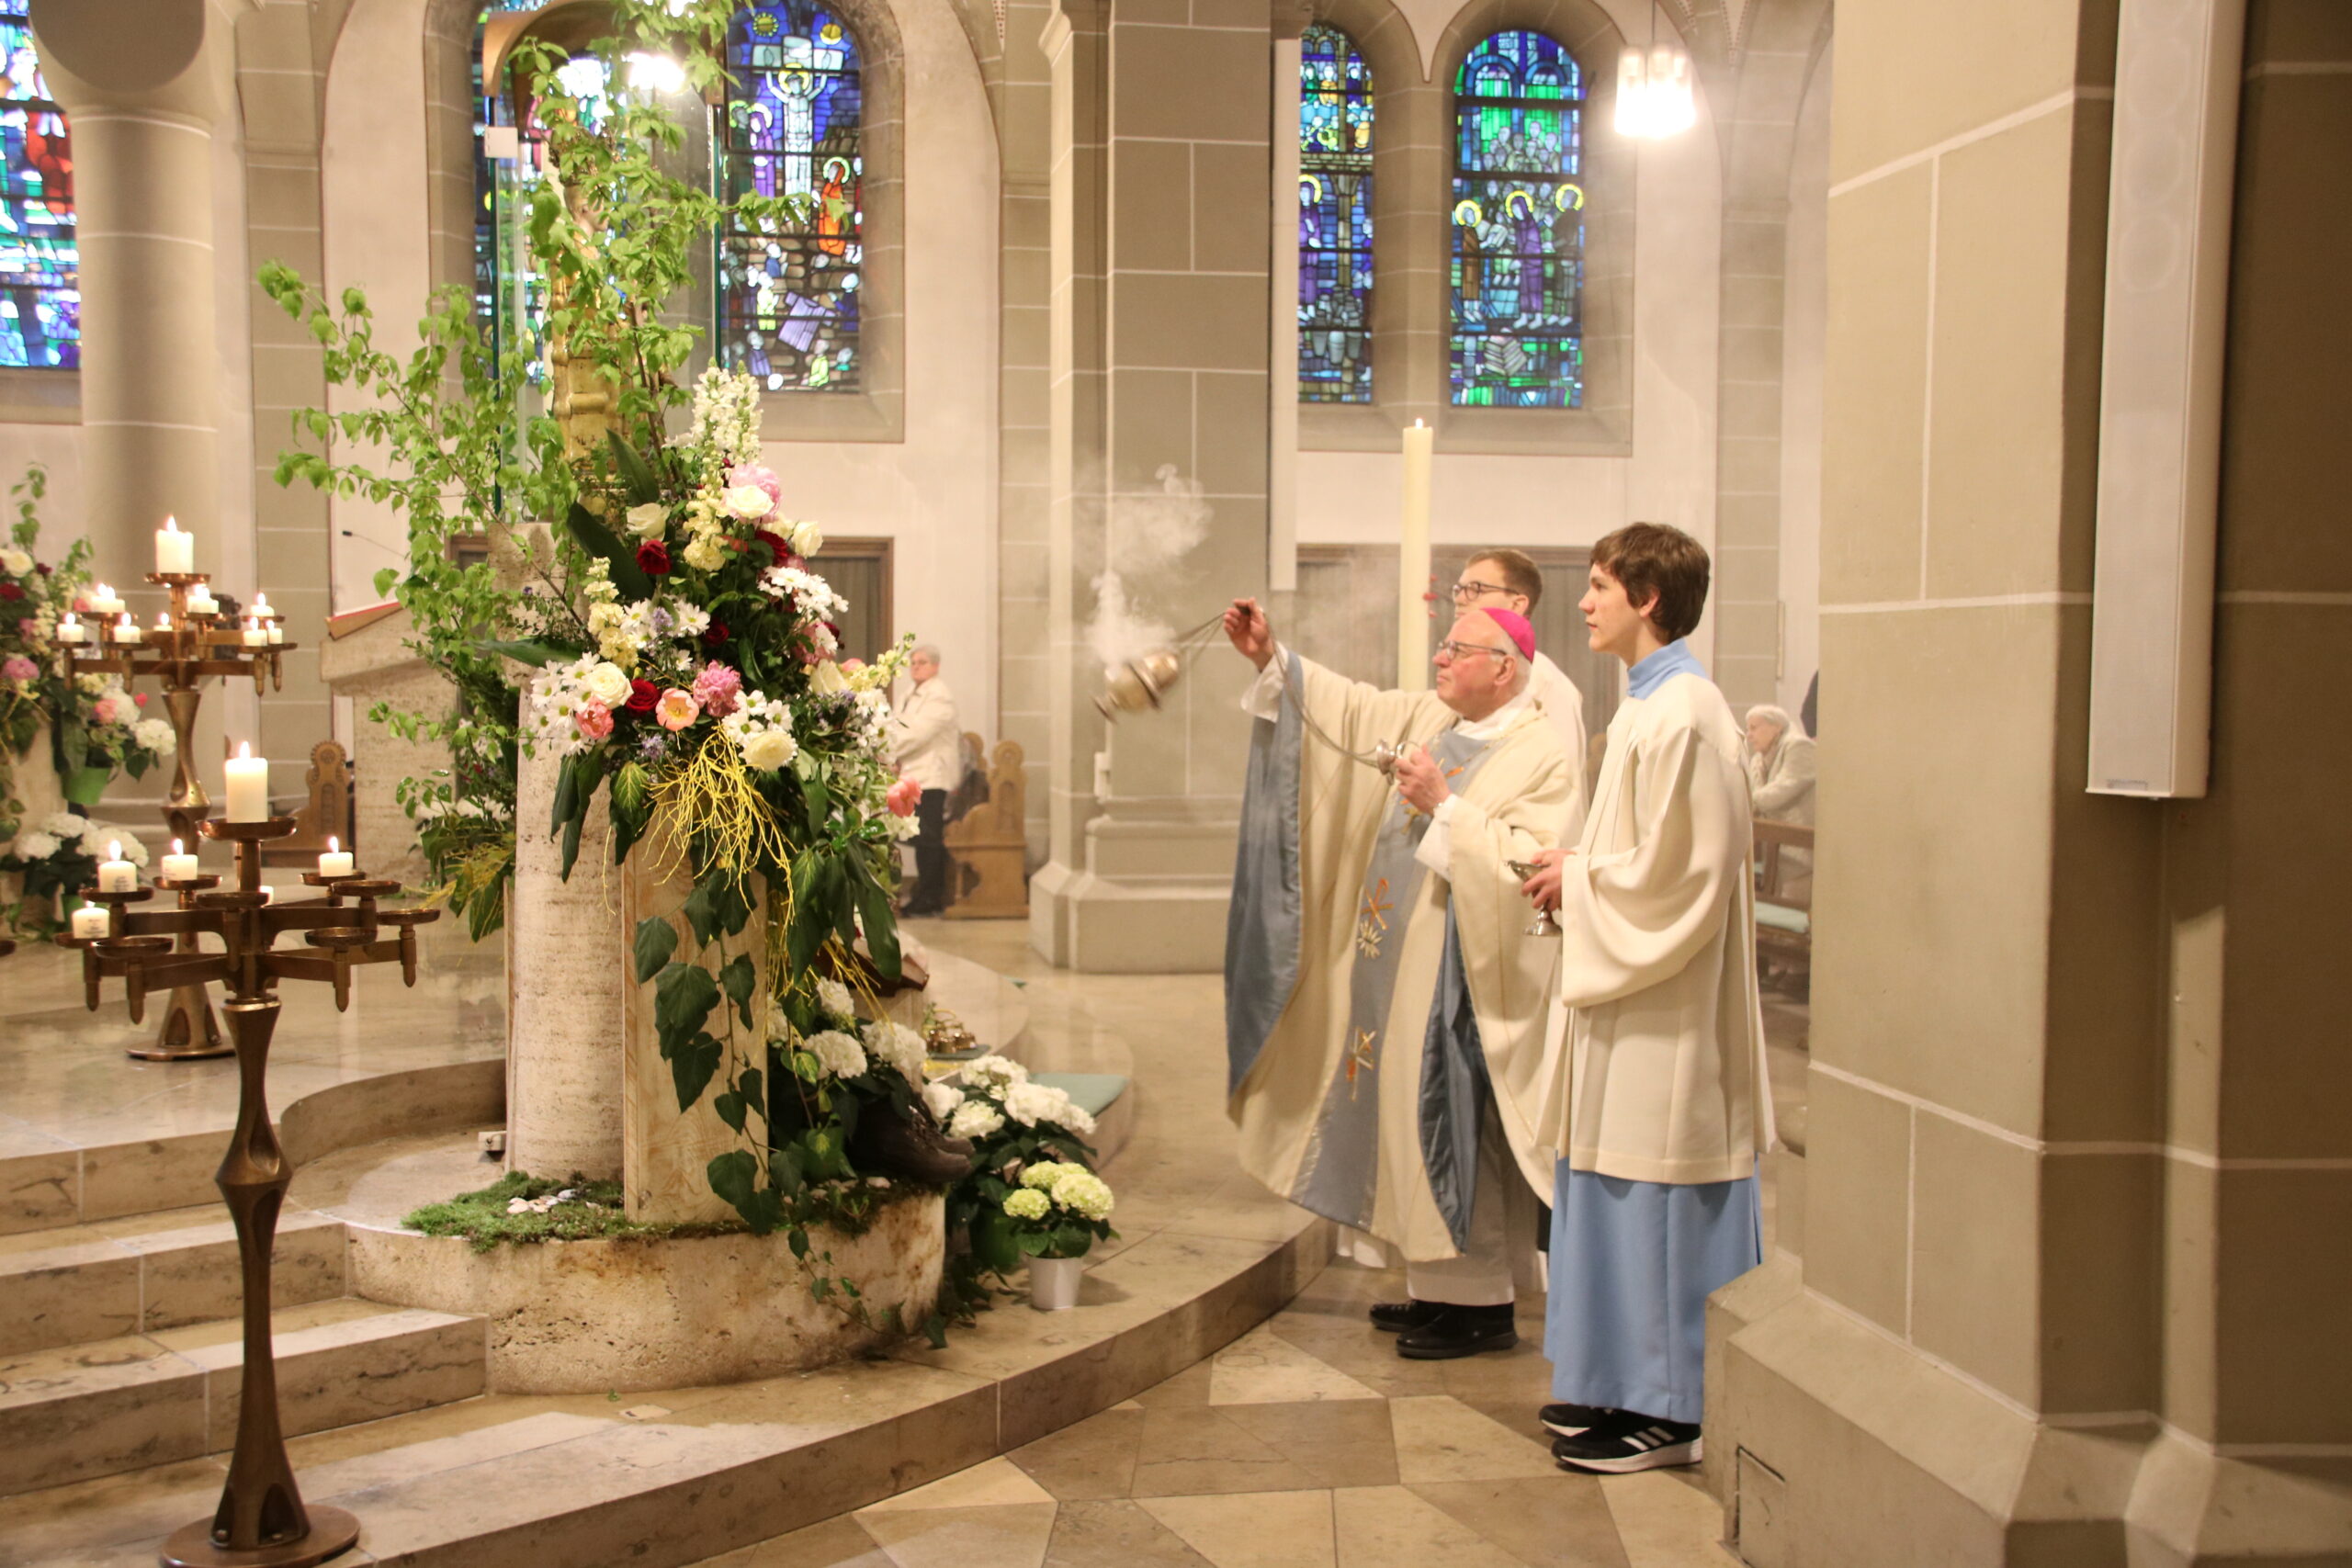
(639, 1313)
(1150, 899)
(1833, 1446)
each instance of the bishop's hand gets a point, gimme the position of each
(1542, 889)
(1251, 634)
(1420, 781)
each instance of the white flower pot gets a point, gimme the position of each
(1052, 1283)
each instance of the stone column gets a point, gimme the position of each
(1160, 256)
(2078, 1179)
(144, 84)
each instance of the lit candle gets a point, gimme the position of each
(275, 632)
(269, 895)
(1413, 565)
(253, 635)
(179, 866)
(335, 861)
(200, 601)
(127, 631)
(163, 623)
(105, 601)
(117, 874)
(248, 785)
(90, 920)
(71, 630)
(174, 551)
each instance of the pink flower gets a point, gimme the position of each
(754, 474)
(905, 796)
(28, 628)
(676, 709)
(103, 710)
(19, 668)
(716, 689)
(852, 666)
(139, 697)
(593, 719)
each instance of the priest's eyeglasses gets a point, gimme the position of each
(1464, 592)
(1454, 649)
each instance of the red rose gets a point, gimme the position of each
(653, 559)
(714, 634)
(643, 696)
(777, 545)
(10, 591)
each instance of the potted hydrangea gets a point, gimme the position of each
(1022, 1199)
(61, 854)
(1054, 1219)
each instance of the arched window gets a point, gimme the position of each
(1334, 218)
(788, 300)
(1517, 274)
(40, 291)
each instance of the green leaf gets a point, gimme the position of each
(683, 996)
(567, 801)
(692, 1065)
(637, 479)
(385, 576)
(995, 1243)
(737, 978)
(621, 560)
(881, 927)
(734, 1175)
(934, 1329)
(538, 655)
(657, 939)
(731, 1109)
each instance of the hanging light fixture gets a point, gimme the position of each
(1655, 93)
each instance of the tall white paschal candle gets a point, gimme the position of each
(1413, 565)
(174, 551)
(248, 785)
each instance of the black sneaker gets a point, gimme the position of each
(1395, 1317)
(1459, 1331)
(1628, 1441)
(1568, 1420)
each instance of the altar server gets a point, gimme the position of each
(1665, 1106)
(1384, 1003)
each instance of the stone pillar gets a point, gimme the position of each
(2078, 1180)
(144, 84)
(1160, 256)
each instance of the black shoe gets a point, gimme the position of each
(1395, 1317)
(1459, 1331)
(1628, 1441)
(1568, 1420)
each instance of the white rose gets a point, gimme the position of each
(807, 538)
(826, 680)
(749, 503)
(974, 1119)
(608, 683)
(17, 562)
(943, 1099)
(648, 520)
(770, 748)
(155, 735)
(35, 845)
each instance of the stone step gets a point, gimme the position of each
(108, 1406)
(109, 1278)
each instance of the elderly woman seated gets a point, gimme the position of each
(1780, 779)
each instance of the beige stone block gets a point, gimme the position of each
(1978, 1252)
(1189, 321)
(1152, 205)
(1759, 302)
(281, 198)
(1857, 1214)
(339, 1363)
(1876, 376)
(64, 1286)
(2011, 452)
(1752, 354)
(2100, 1228)
(1749, 466)
(1931, 891)
(1226, 76)
(1911, 77)
(156, 1173)
(1151, 426)
(2282, 418)
(96, 1409)
(1746, 574)
(1229, 181)
(1746, 630)
(274, 39)
(190, 1276)
(2192, 1239)
(1231, 415)
(1229, 13)
(2281, 1275)
(162, 181)
(2298, 30)
(41, 1186)
(1751, 407)
(1750, 520)
(1025, 220)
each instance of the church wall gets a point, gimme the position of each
(1806, 283)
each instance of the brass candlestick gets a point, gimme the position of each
(182, 656)
(261, 1522)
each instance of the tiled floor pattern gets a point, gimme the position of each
(1306, 1444)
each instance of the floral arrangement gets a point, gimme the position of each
(1032, 1192)
(61, 855)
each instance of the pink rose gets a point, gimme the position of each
(594, 719)
(754, 474)
(717, 689)
(905, 796)
(19, 668)
(103, 710)
(676, 709)
(852, 666)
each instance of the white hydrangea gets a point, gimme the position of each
(974, 1119)
(944, 1098)
(155, 735)
(64, 824)
(836, 999)
(894, 1042)
(1081, 1191)
(1030, 1103)
(993, 1073)
(1046, 1172)
(133, 851)
(836, 1052)
(1026, 1205)
(35, 845)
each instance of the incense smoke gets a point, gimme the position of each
(1147, 535)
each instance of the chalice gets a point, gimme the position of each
(1544, 925)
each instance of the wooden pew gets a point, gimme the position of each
(325, 810)
(990, 845)
(1783, 898)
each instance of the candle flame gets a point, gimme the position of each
(330, 844)
(176, 848)
(125, 623)
(114, 850)
(163, 621)
(245, 749)
(104, 591)
(171, 525)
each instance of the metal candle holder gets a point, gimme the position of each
(261, 1522)
(182, 656)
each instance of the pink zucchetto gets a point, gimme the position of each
(1515, 627)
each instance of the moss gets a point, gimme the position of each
(594, 1215)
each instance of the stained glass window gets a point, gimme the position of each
(40, 293)
(1518, 272)
(489, 108)
(1334, 219)
(789, 301)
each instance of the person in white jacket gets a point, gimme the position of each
(1663, 1108)
(928, 749)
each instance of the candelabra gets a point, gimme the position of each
(261, 1522)
(181, 653)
